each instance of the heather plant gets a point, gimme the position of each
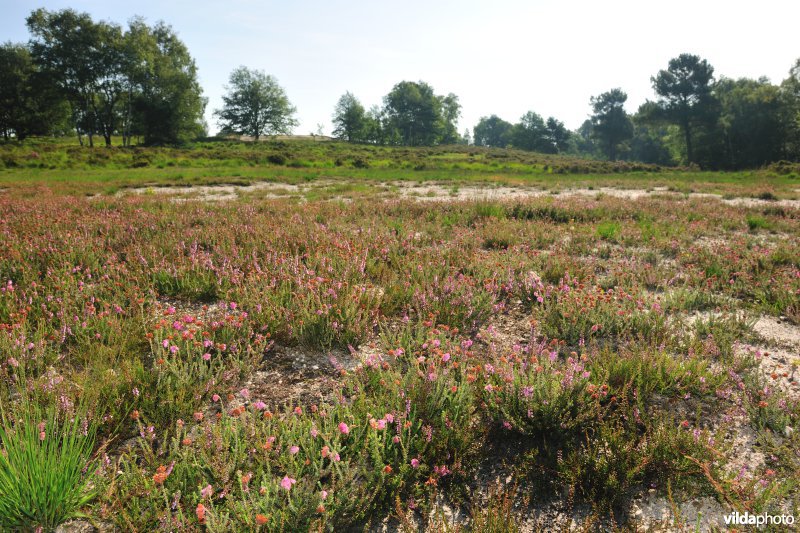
(618, 457)
(464, 322)
(577, 314)
(543, 396)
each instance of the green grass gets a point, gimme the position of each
(46, 475)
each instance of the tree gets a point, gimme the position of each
(492, 131)
(466, 138)
(530, 133)
(29, 103)
(557, 136)
(790, 93)
(611, 125)
(651, 140)
(63, 45)
(255, 105)
(684, 89)
(753, 121)
(451, 111)
(415, 116)
(350, 119)
(165, 100)
(88, 61)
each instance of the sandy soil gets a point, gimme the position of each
(438, 192)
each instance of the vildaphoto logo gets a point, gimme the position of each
(747, 519)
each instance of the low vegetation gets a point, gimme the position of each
(298, 362)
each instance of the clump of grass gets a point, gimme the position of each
(45, 467)
(608, 230)
(755, 222)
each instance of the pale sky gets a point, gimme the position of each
(502, 57)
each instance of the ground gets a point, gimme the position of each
(406, 350)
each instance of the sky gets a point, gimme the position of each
(503, 57)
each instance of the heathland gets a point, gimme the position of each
(307, 335)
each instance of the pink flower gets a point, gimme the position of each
(314, 432)
(323, 494)
(173, 350)
(287, 482)
(343, 428)
(294, 449)
(13, 362)
(415, 463)
(206, 356)
(165, 343)
(381, 424)
(233, 306)
(396, 439)
(260, 405)
(445, 358)
(207, 491)
(245, 393)
(389, 417)
(215, 398)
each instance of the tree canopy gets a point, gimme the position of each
(685, 95)
(350, 119)
(611, 125)
(139, 81)
(255, 105)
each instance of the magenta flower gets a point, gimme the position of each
(343, 428)
(415, 463)
(287, 482)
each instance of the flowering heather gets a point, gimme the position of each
(264, 363)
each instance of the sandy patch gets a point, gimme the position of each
(778, 332)
(215, 193)
(656, 513)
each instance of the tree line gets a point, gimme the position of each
(695, 119)
(98, 79)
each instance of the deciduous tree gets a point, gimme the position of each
(255, 105)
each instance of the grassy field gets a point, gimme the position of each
(442, 339)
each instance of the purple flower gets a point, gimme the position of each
(287, 482)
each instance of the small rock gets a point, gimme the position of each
(788, 431)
